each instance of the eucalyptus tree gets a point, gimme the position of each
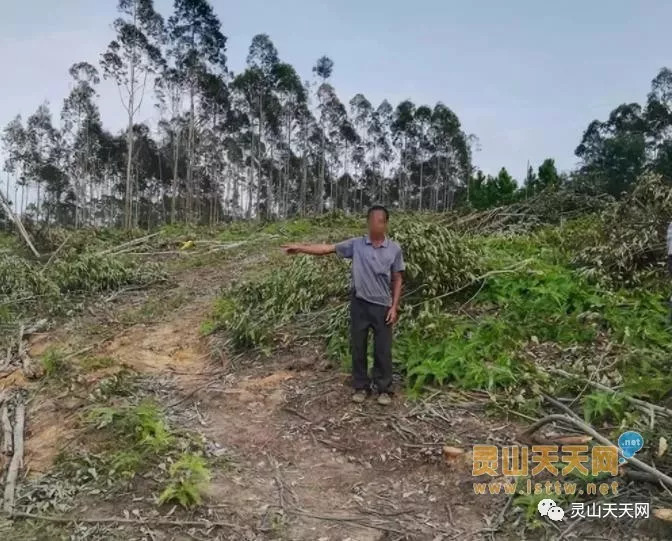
(361, 112)
(197, 47)
(423, 122)
(17, 161)
(42, 139)
(333, 116)
(614, 153)
(130, 59)
(170, 93)
(323, 69)
(385, 154)
(404, 137)
(82, 129)
(292, 97)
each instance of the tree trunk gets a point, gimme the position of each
(176, 157)
(190, 157)
(261, 122)
(128, 209)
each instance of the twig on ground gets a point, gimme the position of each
(205, 523)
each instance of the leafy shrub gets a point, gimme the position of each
(142, 425)
(188, 478)
(601, 406)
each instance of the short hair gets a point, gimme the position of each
(374, 208)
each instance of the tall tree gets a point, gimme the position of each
(130, 60)
(613, 153)
(197, 47)
(81, 132)
(323, 69)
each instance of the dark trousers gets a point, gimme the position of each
(364, 316)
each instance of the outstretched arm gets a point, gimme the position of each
(310, 249)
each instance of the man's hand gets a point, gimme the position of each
(291, 248)
(391, 316)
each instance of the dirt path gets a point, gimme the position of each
(304, 462)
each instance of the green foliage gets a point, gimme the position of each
(474, 355)
(143, 425)
(54, 364)
(26, 284)
(602, 406)
(252, 312)
(486, 192)
(437, 260)
(189, 477)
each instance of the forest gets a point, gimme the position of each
(168, 372)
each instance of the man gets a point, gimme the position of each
(377, 266)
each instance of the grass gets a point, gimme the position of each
(54, 364)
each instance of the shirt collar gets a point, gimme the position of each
(386, 241)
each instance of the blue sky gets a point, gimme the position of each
(525, 76)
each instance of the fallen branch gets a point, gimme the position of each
(17, 458)
(7, 445)
(119, 520)
(641, 403)
(667, 480)
(53, 256)
(133, 242)
(4, 202)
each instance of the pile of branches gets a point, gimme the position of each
(311, 293)
(550, 207)
(631, 242)
(30, 288)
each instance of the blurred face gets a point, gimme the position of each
(377, 224)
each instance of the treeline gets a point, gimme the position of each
(265, 143)
(262, 142)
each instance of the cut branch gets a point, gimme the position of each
(667, 480)
(17, 458)
(4, 202)
(647, 406)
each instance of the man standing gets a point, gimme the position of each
(375, 291)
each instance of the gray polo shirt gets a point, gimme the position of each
(372, 267)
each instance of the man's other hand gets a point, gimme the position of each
(392, 316)
(291, 248)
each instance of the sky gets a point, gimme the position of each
(526, 77)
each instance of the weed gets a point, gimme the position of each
(142, 425)
(602, 406)
(96, 363)
(54, 364)
(189, 476)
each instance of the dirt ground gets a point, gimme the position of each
(304, 463)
